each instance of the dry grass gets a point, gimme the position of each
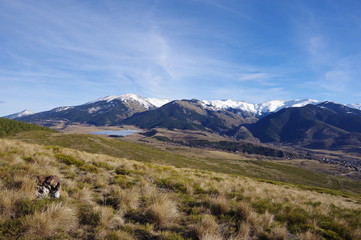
(83, 195)
(163, 211)
(56, 217)
(114, 198)
(126, 199)
(208, 228)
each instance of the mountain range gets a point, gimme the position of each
(307, 122)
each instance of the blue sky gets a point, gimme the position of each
(68, 52)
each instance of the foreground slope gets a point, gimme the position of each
(141, 152)
(114, 198)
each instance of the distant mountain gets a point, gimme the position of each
(19, 114)
(305, 122)
(258, 109)
(340, 108)
(187, 114)
(104, 111)
(327, 125)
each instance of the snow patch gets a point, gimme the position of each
(19, 114)
(93, 110)
(257, 108)
(355, 105)
(158, 102)
(60, 109)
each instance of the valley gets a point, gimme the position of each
(197, 144)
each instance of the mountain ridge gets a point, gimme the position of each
(235, 106)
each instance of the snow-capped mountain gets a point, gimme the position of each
(110, 110)
(148, 103)
(19, 114)
(257, 109)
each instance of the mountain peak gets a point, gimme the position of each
(19, 114)
(146, 102)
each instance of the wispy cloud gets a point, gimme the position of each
(74, 51)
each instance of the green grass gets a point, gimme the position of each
(145, 153)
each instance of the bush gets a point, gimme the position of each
(69, 160)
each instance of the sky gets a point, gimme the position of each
(68, 52)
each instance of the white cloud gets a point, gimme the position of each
(254, 77)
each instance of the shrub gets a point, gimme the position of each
(172, 184)
(69, 160)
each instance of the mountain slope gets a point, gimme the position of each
(309, 125)
(104, 111)
(340, 108)
(186, 115)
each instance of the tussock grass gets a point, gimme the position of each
(56, 217)
(163, 211)
(105, 197)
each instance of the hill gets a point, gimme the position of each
(10, 127)
(104, 197)
(187, 115)
(312, 126)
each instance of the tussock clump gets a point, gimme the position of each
(208, 228)
(244, 210)
(218, 206)
(56, 217)
(244, 231)
(126, 199)
(163, 211)
(8, 199)
(108, 221)
(279, 233)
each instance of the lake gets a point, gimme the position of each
(116, 133)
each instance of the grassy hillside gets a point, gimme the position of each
(146, 153)
(104, 197)
(10, 127)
